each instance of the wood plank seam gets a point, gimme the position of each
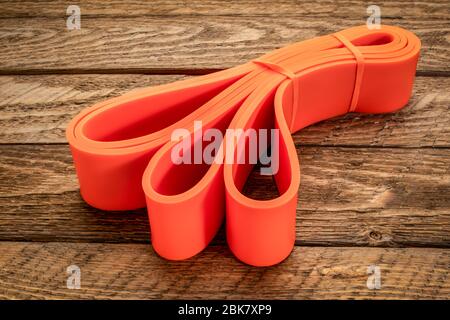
(159, 72)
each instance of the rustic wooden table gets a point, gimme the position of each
(375, 189)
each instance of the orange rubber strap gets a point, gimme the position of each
(359, 69)
(122, 147)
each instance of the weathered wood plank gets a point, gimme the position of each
(179, 44)
(36, 109)
(115, 8)
(38, 271)
(348, 196)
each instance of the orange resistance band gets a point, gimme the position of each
(122, 147)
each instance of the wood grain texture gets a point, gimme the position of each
(319, 9)
(370, 184)
(347, 197)
(38, 271)
(179, 44)
(37, 109)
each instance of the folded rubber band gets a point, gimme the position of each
(122, 147)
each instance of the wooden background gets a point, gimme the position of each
(375, 189)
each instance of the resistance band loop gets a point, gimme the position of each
(288, 74)
(171, 148)
(359, 68)
(275, 67)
